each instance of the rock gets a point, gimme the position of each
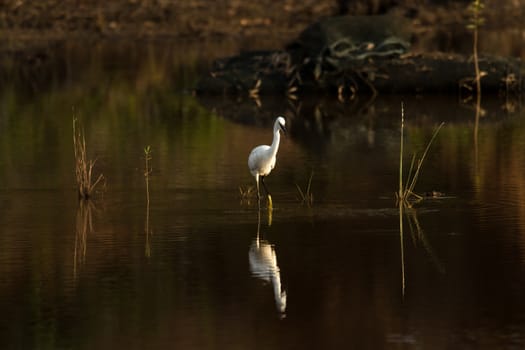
(349, 55)
(365, 32)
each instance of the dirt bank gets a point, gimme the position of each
(32, 23)
(27, 24)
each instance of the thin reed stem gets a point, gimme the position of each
(405, 193)
(420, 161)
(400, 194)
(147, 169)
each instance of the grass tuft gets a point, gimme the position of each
(406, 194)
(83, 166)
(307, 197)
(247, 193)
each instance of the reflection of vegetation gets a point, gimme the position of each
(402, 247)
(84, 226)
(137, 95)
(406, 193)
(83, 166)
(254, 93)
(476, 7)
(418, 236)
(147, 172)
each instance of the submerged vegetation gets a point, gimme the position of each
(83, 165)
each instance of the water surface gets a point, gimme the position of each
(202, 267)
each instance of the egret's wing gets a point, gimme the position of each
(256, 160)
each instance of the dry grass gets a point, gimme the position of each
(247, 193)
(83, 166)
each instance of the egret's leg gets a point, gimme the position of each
(257, 182)
(270, 203)
(264, 184)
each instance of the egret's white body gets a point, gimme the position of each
(262, 158)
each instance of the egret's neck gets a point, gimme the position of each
(275, 143)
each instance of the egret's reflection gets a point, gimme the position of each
(263, 265)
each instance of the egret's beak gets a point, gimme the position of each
(283, 129)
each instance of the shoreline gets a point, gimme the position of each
(25, 26)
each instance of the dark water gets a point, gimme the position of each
(201, 267)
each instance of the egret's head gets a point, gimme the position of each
(281, 123)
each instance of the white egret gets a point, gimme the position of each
(262, 158)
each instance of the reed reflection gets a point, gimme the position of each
(147, 172)
(263, 265)
(84, 227)
(418, 237)
(148, 233)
